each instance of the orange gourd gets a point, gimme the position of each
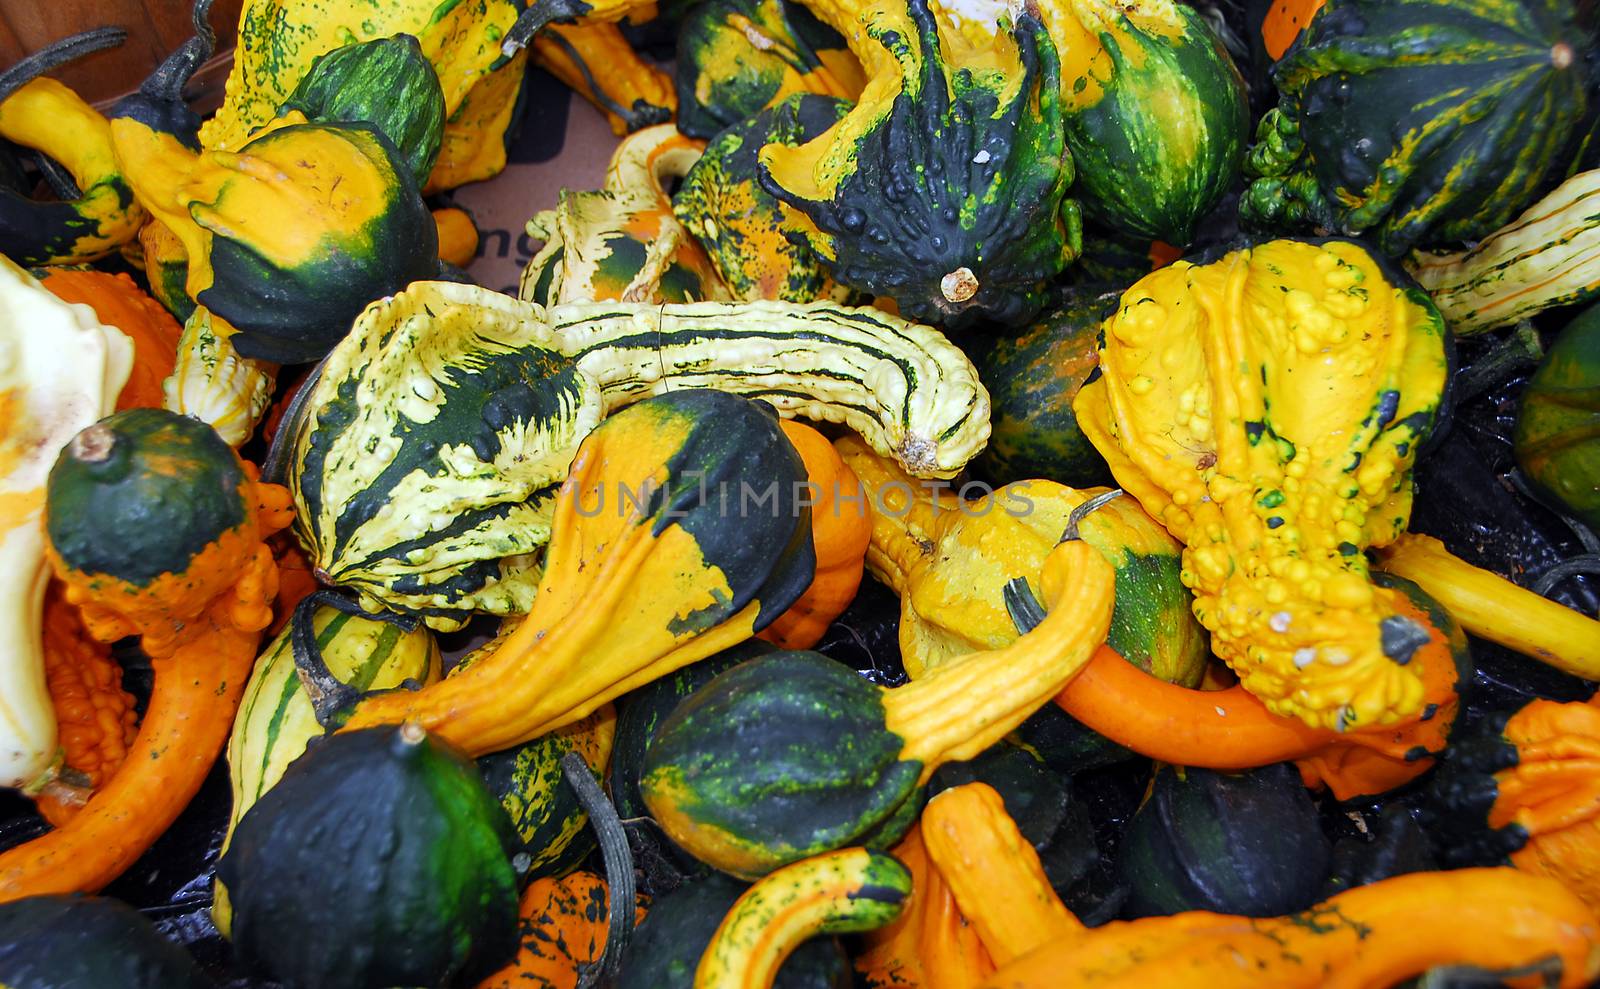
(930, 945)
(563, 927)
(118, 302)
(1284, 22)
(96, 718)
(841, 528)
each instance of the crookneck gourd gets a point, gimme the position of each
(1418, 122)
(643, 574)
(1267, 409)
(599, 64)
(950, 559)
(756, 241)
(738, 57)
(63, 372)
(156, 527)
(622, 242)
(792, 754)
(1526, 788)
(426, 465)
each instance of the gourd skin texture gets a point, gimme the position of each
(1418, 122)
(738, 57)
(212, 383)
(66, 941)
(119, 303)
(945, 187)
(1156, 113)
(755, 241)
(563, 926)
(1267, 409)
(1557, 438)
(425, 873)
(46, 115)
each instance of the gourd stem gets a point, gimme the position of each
(167, 81)
(330, 696)
(54, 56)
(638, 117)
(1084, 510)
(618, 859)
(1588, 564)
(1518, 352)
(533, 20)
(59, 179)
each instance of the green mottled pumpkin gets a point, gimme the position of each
(378, 860)
(946, 193)
(753, 239)
(1557, 438)
(1032, 379)
(1418, 122)
(738, 57)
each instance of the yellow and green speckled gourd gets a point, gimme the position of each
(1267, 409)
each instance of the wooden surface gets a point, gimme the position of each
(155, 28)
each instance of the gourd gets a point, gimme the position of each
(1032, 378)
(1248, 844)
(94, 715)
(755, 241)
(1284, 21)
(1493, 608)
(739, 57)
(667, 946)
(64, 370)
(945, 188)
(118, 302)
(791, 755)
(1417, 122)
(551, 825)
(950, 559)
(277, 717)
(841, 892)
(841, 529)
(633, 590)
(599, 64)
(458, 236)
(930, 945)
(563, 928)
(156, 527)
(213, 383)
(425, 893)
(1267, 408)
(97, 214)
(1372, 937)
(1522, 791)
(1557, 440)
(1230, 729)
(1156, 114)
(1545, 258)
(622, 242)
(907, 388)
(48, 942)
(166, 268)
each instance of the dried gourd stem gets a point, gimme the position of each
(1022, 604)
(1519, 351)
(618, 859)
(1588, 564)
(330, 696)
(167, 81)
(641, 115)
(57, 178)
(538, 14)
(1084, 510)
(56, 55)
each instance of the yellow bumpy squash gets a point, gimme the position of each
(1267, 409)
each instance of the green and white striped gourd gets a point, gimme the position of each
(1547, 257)
(212, 383)
(433, 443)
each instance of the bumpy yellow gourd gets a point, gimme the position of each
(1267, 409)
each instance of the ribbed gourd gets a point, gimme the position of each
(1267, 409)
(1418, 122)
(1557, 438)
(426, 465)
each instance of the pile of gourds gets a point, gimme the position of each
(956, 507)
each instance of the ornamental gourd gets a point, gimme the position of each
(1557, 439)
(1267, 409)
(600, 65)
(1418, 122)
(563, 930)
(52, 941)
(118, 302)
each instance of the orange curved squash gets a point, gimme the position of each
(930, 945)
(1553, 792)
(118, 302)
(563, 923)
(841, 528)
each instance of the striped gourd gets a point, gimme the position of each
(276, 720)
(212, 383)
(465, 407)
(1548, 257)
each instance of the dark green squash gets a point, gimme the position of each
(782, 757)
(92, 942)
(951, 197)
(1557, 439)
(667, 945)
(388, 83)
(378, 860)
(142, 493)
(1250, 844)
(738, 57)
(753, 239)
(1032, 379)
(1418, 122)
